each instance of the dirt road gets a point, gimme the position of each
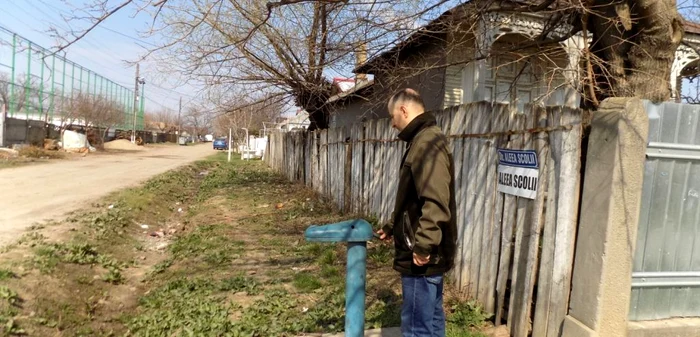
(36, 193)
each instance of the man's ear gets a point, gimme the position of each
(404, 111)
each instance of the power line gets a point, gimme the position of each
(127, 36)
(99, 46)
(102, 26)
(51, 20)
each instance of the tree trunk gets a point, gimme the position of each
(313, 99)
(318, 120)
(633, 47)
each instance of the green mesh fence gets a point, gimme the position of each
(36, 84)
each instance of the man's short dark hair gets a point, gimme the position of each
(406, 95)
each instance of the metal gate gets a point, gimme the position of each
(666, 274)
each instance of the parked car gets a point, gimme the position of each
(220, 144)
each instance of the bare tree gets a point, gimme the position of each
(287, 47)
(93, 111)
(250, 116)
(283, 48)
(198, 120)
(106, 114)
(162, 119)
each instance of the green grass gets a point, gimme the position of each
(237, 266)
(210, 243)
(306, 282)
(455, 331)
(6, 274)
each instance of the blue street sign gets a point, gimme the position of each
(518, 158)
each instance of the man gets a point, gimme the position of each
(423, 224)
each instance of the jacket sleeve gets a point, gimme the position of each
(388, 228)
(431, 174)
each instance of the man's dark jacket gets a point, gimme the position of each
(424, 215)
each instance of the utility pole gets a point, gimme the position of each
(230, 138)
(179, 112)
(136, 106)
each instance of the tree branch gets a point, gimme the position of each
(95, 24)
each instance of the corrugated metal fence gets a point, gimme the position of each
(509, 246)
(666, 275)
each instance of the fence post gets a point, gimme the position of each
(2, 125)
(348, 177)
(612, 190)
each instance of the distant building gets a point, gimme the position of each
(300, 121)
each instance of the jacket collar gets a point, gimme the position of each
(419, 123)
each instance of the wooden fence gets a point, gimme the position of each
(515, 254)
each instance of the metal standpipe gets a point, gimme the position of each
(355, 289)
(356, 233)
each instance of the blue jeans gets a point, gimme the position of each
(422, 314)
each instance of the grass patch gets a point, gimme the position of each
(305, 282)
(76, 288)
(330, 272)
(9, 308)
(464, 319)
(380, 254)
(6, 274)
(236, 266)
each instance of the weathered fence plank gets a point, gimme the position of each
(376, 188)
(470, 163)
(368, 167)
(458, 128)
(323, 163)
(314, 161)
(356, 168)
(493, 210)
(498, 234)
(522, 141)
(539, 326)
(386, 171)
(567, 219)
(507, 232)
(482, 125)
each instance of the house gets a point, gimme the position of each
(454, 60)
(300, 121)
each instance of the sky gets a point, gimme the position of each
(105, 50)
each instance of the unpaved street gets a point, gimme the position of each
(42, 192)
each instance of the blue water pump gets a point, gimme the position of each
(356, 233)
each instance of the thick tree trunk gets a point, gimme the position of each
(318, 119)
(633, 47)
(314, 100)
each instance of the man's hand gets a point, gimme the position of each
(383, 236)
(419, 260)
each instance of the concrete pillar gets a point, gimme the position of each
(601, 284)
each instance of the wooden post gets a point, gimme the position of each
(348, 177)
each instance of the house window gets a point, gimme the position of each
(510, 80)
